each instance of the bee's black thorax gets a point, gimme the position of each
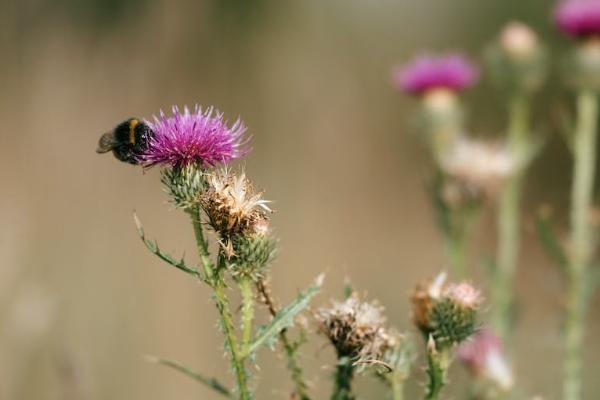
(131, 139)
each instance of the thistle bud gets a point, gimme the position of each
(583, 68)
(252, 253)
(184, 185)
(483, 355)
(445, 312)
(354, 328)
(231, 204)
(517, 61)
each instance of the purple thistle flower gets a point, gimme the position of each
(452, 72)
(578, 18)
(198, 137)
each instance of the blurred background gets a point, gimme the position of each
(81, 300)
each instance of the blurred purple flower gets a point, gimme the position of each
(453, 72)
(483, 354)
(195, 137)
(578, 17)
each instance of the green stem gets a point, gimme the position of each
(217, 281)
(343, 380)
(581, 241)
(456, 250)
(247, 312)
(397, 389)
(509, 221)
(301, 388)
(437, 367)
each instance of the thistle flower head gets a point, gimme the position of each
(445, 312)
(197, 137)
(479, 165)
(483, 355)
(452, 72)
(517, 61)
(355, 328)
(578, 18)
(232, 205)
(518, 39)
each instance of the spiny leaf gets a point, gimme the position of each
(285, 317)
(153, 247)
(550, 242)
(210, 382)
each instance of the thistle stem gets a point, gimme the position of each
(217, 281)
(508, 221)
(343, 380)
(437, 367)
(247, 312)
(581, 240)
(301, 388)
(456, 250)
(397, 389)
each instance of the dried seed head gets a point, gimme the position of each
(483, 355)
(445, 312)
(480, 166)
(354, 328)
(232, 205)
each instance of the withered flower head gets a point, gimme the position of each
(445, 312)
(232, 205)
(479, 165)
(355, 328)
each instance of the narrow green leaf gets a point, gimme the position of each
(285, 317)
(549, 241)
(153, 247)
(210, 382)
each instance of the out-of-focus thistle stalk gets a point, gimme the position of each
(438, 81)
(584, 148)
(579, 19)
(216, 280)
(509, 217)
(517, 64)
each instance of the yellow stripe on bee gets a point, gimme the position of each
(132, 124)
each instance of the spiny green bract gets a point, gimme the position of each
(184, 185)
(252, 254)
(451, 323)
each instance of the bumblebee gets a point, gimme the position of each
(127, 141)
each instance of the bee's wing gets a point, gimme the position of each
(106, 143)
